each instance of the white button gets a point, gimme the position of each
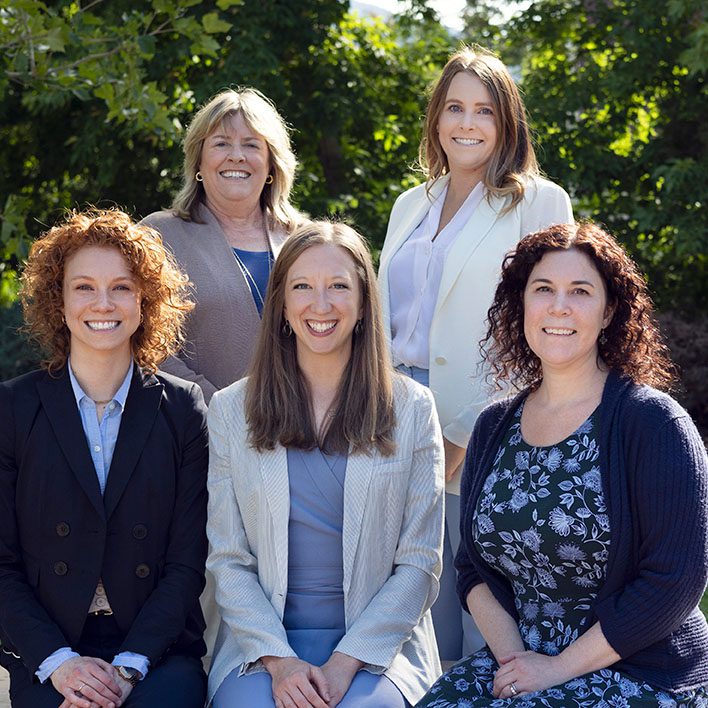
(97, 448)
(111, 406)
(440, 360)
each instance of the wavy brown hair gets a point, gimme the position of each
(513, 160)
(632, 344)
(163, 287)
(278, 409)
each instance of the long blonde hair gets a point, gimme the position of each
(513, 159)
(262, 118)
(278, 409)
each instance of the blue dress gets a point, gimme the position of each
(314, 608)
(541, 520)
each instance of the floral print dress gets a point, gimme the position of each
(541, 521)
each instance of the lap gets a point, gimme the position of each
(254, 690)
(177, 681)
(469, 683)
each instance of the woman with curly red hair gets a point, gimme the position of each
(584, 548)
(102, 479)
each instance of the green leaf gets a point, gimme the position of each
(213, 24)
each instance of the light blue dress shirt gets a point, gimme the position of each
(101, 438)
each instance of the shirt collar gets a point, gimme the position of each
(120, 396)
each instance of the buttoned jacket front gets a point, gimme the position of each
(391, 542)
(469, 279)
(145, 537)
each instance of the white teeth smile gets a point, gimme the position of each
(467, 141)
(235, 173)
(321, 327)
(557, 330)
(103, 325)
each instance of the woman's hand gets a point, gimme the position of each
(295, 683)
(339, 670)
(527, 672)
(454, 457)
(86, 682)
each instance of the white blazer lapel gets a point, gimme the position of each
(467, 242)
(274, 472)
(356, 489)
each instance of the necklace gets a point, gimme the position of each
(252, 284)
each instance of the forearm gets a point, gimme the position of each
(454, 456)
(589, 652)
(497, 626)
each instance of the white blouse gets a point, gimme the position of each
(414, 279)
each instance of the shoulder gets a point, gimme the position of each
(647, 406)
(162, 218)
(24, 382)
(228, 403)
(20, 392)
(408, 393)
(169, 225)
(180, 393)
(411, 196)
(540, 188)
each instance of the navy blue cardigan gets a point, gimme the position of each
(655, 481)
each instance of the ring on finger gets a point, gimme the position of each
(78, 690)
(512, 688)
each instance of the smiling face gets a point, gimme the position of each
(323, 301)
(565, 309)
(234, 163)
(101, 303)
(467, 126)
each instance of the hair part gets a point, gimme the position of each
(262, 118)
(632, 346)
(513, 160)
(278, 408)
(164, 288)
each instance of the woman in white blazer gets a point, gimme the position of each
(325, 498)
(440, 265)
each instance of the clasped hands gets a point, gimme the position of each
(523, 672)
(87, 682)
(297, 684)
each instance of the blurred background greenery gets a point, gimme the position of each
(95, 96)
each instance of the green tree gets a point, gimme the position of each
(617, 94)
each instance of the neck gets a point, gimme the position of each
(561, 388)
(461, 184)
(100, 376)
(323, 379)
(237, 214)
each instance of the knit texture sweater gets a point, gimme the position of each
(655, 480)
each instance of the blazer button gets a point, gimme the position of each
(440, 360)
(62, 529)
(140, 531)
(61, 568)
(142, 570)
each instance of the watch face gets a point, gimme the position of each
(132, 676)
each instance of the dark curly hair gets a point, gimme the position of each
(631, 345)
(163, 286)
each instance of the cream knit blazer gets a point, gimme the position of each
(391, 537)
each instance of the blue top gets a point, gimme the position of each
(258, 265)
(654, 474)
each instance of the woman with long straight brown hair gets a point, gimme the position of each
(440, 265)
(325, 489)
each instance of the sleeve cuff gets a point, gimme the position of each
(132, 660)
(53, 662)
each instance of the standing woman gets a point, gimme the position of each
(103, 463)
(325, 499)
(440, 264)
(584, 549)
(226, 227)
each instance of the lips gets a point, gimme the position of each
(321, 327)
(102, 326)
(559, 331)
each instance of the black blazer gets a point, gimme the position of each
(146, 537)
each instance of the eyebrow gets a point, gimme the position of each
(476, 103)
(91, 277)
(573, 282)
(223, 136)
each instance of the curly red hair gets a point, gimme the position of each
(163, 286)
(632, 343)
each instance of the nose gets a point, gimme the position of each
(321, 303)
(103, 301)
(559, 305)
(467, 120)
(237, 153)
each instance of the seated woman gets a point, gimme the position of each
(325, 498)
(585, 533)
(103, 464)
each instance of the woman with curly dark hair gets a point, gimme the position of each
(584, 548)
(102, 479)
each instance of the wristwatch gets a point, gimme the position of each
(129, 674)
